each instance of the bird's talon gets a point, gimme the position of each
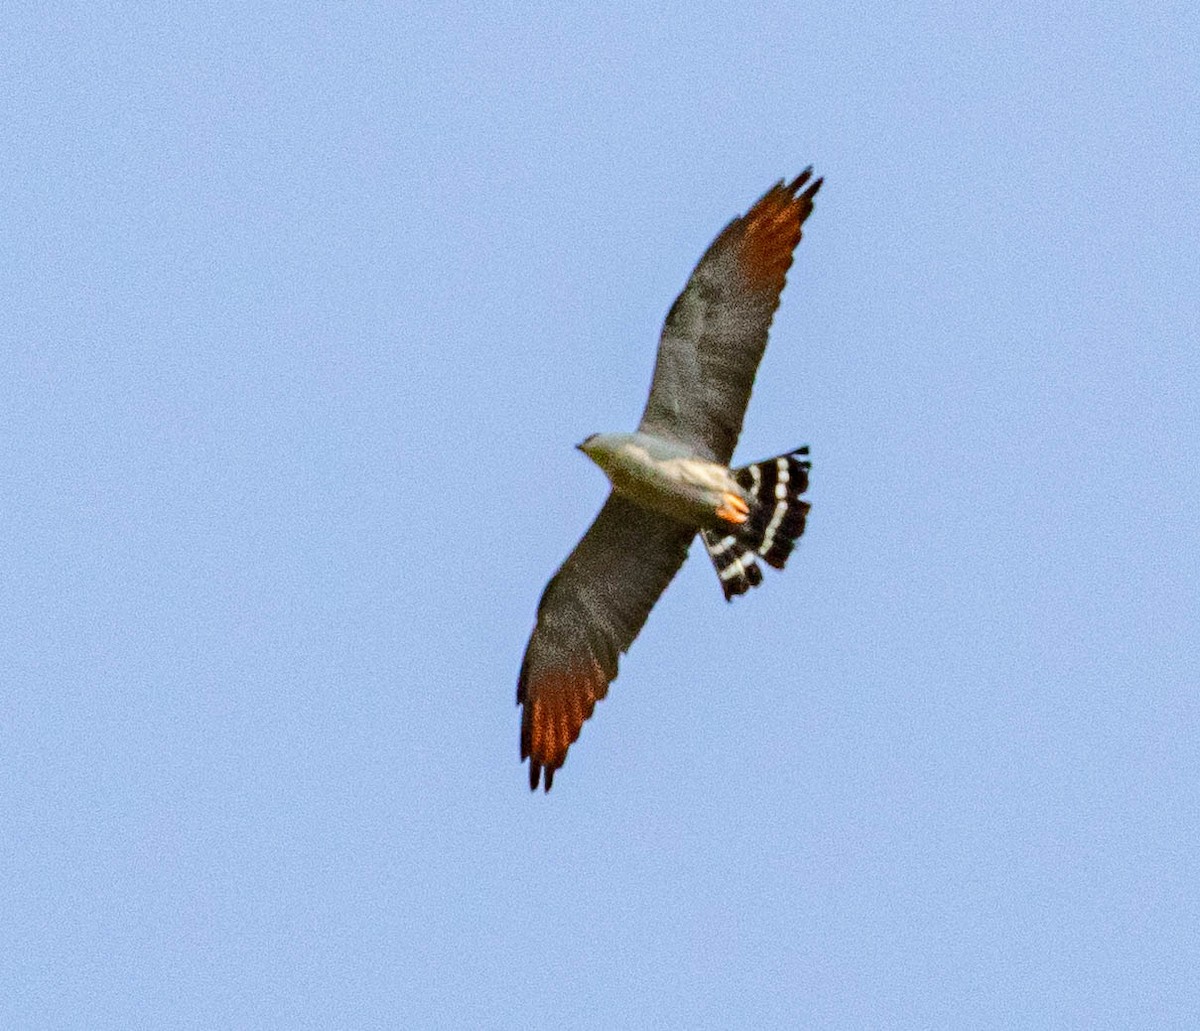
(733, 509)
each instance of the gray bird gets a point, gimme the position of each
(671, 479)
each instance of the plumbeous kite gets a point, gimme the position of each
(671, 479)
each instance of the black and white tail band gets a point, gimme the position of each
(777, 515)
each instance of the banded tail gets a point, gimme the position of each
(777, 514)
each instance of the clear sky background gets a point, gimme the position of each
(304, 308)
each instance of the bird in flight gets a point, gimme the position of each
(672, 479)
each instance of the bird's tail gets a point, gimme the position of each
(777, 515)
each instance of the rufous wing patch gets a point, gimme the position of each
(770, 231)
(556, 704)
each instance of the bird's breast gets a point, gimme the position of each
(689, 490)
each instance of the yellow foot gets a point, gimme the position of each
(733, 509)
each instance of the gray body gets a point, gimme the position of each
(664, 476)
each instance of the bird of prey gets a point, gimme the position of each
(672, 479)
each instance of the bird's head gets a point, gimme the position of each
(601, 448)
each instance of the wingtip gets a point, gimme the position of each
(800, 180)
(793, 187)
(767, 234)
(539, 774)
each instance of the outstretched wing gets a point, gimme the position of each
(716, 330)
(590, 612)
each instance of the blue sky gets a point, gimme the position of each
(305, 309)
